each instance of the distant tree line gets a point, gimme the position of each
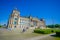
(53, 26)
(0, 26)
(3, 26)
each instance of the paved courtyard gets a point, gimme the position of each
(16, 35)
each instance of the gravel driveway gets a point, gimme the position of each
(44, 37)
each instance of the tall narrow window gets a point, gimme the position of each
(14, 23)
(34, 23)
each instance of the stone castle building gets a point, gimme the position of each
(17, 22)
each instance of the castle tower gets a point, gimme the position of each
(14, 19)
(42, 23)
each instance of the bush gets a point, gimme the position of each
(38, 31)
(44, 31)
(58, 33)
(0, 26)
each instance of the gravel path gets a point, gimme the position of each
(40, 37)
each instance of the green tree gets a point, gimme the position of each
(50, 26)
(57, 25)
(54, 26)
(0, 26)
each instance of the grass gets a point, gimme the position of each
(43, 31)
(46, 31)
(51, 37)
(57, 38)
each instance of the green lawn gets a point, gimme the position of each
(57, 38)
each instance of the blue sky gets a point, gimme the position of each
(47, 9)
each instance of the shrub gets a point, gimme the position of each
(58, 33)
(0, 26)
(44, 31)
(38, 31)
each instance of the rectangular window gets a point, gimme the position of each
(34, 23)
(15, 18)
(14, 23)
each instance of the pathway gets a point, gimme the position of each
(40, 37)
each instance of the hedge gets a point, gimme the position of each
(58, 33)
(45, 31)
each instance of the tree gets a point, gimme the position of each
(57, 25)
(54, 26)
(50, 26)
(0, 26)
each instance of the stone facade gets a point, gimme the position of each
(17, 22)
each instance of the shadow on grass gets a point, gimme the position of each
(55, 35)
